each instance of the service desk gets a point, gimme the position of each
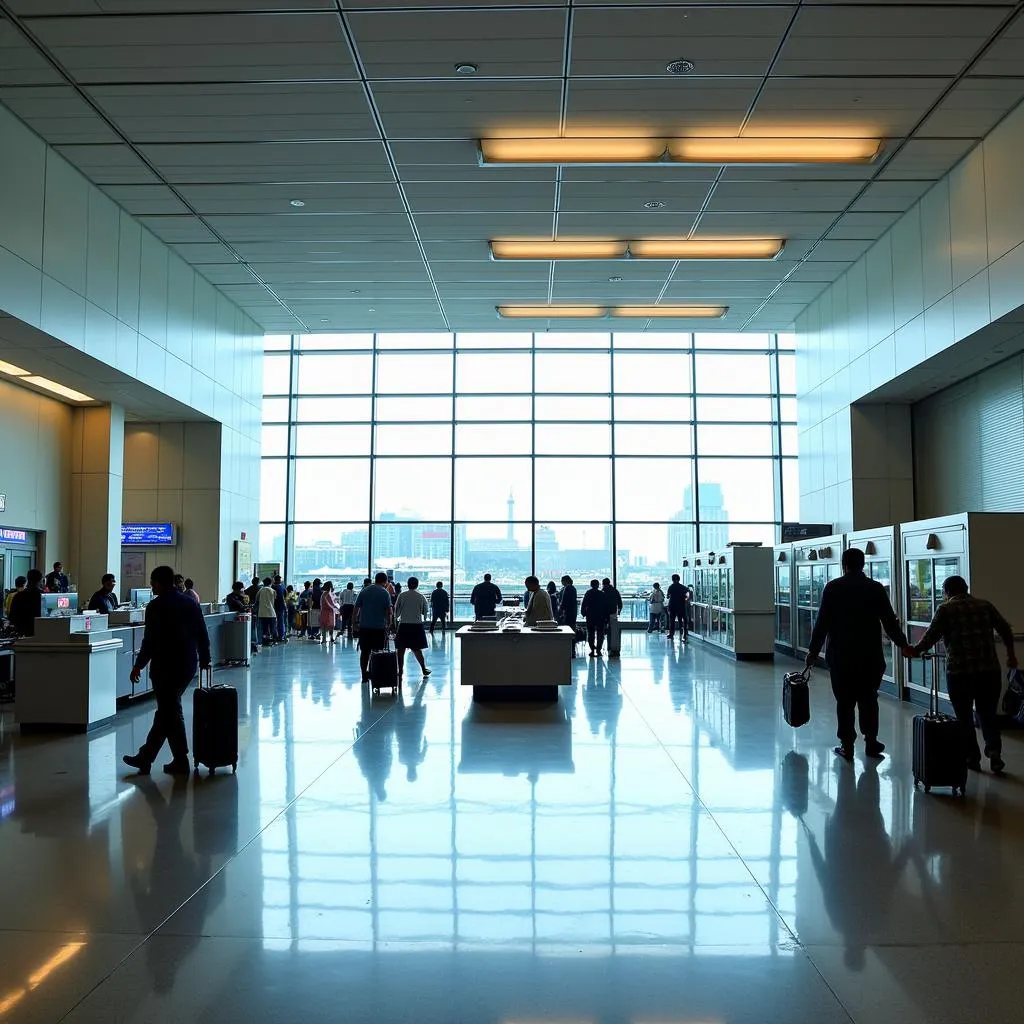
(516, 664)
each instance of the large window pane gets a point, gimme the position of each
(342, 374)
(580, 486)
(725, 439)
(652, 339)
(572, 339)
(277, 342)
(790, 491)
(506, 552)
(583, 550)
(414, 373)
(314, 410)
(333, 439)
(573, 371)
(276, 374)
(787, 373)
(413, 488)
(273, 474)
(412, 408)
(493, 439)
(275, 410)
(332, 551)
(653, 439)
(271, 544)
(651, 489)
(412, 548)
(725, 339)
(734, 374)
(788, 410)
(643, 556)
(315, 342)
(329, 488)
(664, 408)
(494, 489)
(412, 439)
(494, 339)
(740, 533)
(573, 439)
(789, 440)
(425, 339)
(491, 372)
(274, 441)
(498, 407)
(652, 373)
(736, 490)
(567, 407)
(749, 410)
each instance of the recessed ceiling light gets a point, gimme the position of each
(565, 249)
(571, 151)
(679, 67)
(545, 312)
(706, 248)
(324, 320)
(296, 202)
(773, 151)
(371, 311)
(11, 370)
(654, 204)
(701, 312)
(614, 280)
(466, 69)
(58, 389)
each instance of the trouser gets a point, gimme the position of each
(595, 632)
(168, 721)
(677, 615)
(981, 690)
(655, 622)
(269, 628)
(856, 690)
(282, 631)
(435, 616)
(346, 619)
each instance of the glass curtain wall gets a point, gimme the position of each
(448, 456)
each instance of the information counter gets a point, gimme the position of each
(516, 664)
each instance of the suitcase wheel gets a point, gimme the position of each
(927, 788)
(234, 768)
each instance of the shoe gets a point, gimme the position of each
(974, 766)
(178, 768)
(136, 761)
(426, 672)
(873, 748)
(998, 765)
(846, 753)
(593, 653)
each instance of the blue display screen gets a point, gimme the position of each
(155, 534)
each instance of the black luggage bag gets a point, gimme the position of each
(383, 670)
(939, 758)
(796, 698)
(214, 724)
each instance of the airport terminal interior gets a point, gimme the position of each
(542, 290)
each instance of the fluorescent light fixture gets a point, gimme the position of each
(709, 312)
(11, 370)
(543, 312)
(58, 389)
(706, 248)
(773, 151)
(571, 151)
(568, 249)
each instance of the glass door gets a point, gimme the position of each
(881, 572)
(783, 606)
(805, 606)
(925, 577)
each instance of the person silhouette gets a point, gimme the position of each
(410, 723)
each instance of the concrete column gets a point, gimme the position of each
(97, 484)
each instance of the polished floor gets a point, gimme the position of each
(658, 848)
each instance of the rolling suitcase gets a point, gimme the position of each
(614, 637)
(214, 724)
(384, 670)
(796, 698)
(939, 758)
(236, 636)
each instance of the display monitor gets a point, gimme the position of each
(139, 597)
(59, 604)
(148, 534)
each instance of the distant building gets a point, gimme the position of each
(714, 523)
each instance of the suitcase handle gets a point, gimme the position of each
(207, 674)
(933, 692)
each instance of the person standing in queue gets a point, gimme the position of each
(440, 602)
(854, 611)
(595, 612)
(485, 598)
(966, 624)
(676, 594)
(105, 600)
(348, 607)
(281, 608)
(57, 581)
(656, 607)
(174, 645)
(236, 600)
(372, 618)
(568, 604)
(27, 605)
(539, 607)
(19, 586)
(267, 613)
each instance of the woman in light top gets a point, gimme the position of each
(328, 613)
(410, 612)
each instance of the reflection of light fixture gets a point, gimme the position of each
(569, 249)
(706, 248)
(11, 370)
(701, 312)
(773, 151)
(544, 312)
(571, 151)
(36, 978)
(58, 389)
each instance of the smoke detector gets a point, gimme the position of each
(654, 204)
(679, 67)
(466, 69)
(296, 202)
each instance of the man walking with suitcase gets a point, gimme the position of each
(372, 619)
(966, 625)
(854, 611)
(175, 644)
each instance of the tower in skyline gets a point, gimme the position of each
(511, 535)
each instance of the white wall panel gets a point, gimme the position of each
(22, 189)
(129, 269)
(907, 269)
(63, 313)
(1004, 158)
(967, 230)
(101, 251)
(65, 224)
(153, 290)
(21, 288)
(937, 269)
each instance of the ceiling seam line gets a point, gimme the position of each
(57, 66)
(389, 155)
(1010, 18)
(563, 107)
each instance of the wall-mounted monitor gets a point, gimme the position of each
(59, 604)
(139, 597)
(148, 535)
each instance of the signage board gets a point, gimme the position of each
(3, 502)
(243, 560)
(151, 534)
(13, 536)
(804, 531)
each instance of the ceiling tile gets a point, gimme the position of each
(603, 197)
(927, 158)
(57, 113)
(769, 196)
(327, 227)
(895, 195)
(140, 200)
(1006, 55)
(365, 197)
(442, 227)
(974, 106)
(108, 165)
(20, 63)
(482, 196)
(175, 229)
(668, 223)
(352, 272)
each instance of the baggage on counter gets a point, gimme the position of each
(214, 724)
(796, 698)
(938, 758)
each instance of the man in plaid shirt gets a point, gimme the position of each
(966, 624)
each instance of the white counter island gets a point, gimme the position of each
(516, 664)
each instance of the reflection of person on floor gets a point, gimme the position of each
(857, 872)
(410, 723)
(374, 748)
(602, 700)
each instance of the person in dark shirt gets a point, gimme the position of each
(105, 600)
(854, 611)
(676, 593)
(569, 608)
(280, 609)
(595, 611)
(613, 599)
(56, 581)
(27, 605)
(485, 598)
(967, 625)
(236, 599)
(440, 602)
(174, 645)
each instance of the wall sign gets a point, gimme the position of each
(804, 531)
(3, 502)
(152, 534)
(13, 536)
